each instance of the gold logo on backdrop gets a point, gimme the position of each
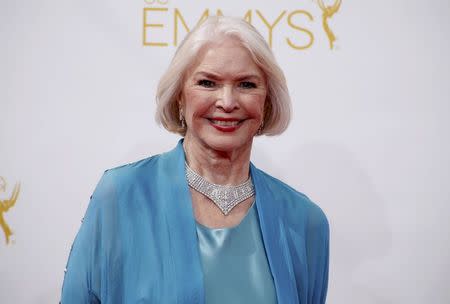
(327, 12)
(163, 25)
(5, 205)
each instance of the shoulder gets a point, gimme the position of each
(124, 179)
(127, 173)
(296, 206)
(132, 182)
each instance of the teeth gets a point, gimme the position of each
(225, 123)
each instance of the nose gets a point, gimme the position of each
(227, 99)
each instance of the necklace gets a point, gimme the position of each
(225, 197)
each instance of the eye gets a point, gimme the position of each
(206, 83)
(247, 85)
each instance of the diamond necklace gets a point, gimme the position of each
(225, 197)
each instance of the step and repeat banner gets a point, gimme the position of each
(368, 141)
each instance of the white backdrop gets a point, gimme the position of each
(369, 141)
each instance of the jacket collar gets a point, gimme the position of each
(183, 235)
(274, 236)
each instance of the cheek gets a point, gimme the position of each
(255, 106)
(197, 103)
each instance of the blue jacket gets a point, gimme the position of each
(138, 241)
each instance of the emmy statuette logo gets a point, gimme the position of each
(5, 205)
(327, 12)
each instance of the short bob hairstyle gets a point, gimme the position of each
(277, 112)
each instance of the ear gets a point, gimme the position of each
(180, 105)
(267, 110)
(180, 100)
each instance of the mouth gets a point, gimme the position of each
(226, 125)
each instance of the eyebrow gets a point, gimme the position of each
(215, 76)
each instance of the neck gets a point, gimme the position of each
(218, 167)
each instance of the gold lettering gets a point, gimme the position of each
(177, 15)
(301, 29)
(147, 25)
(269, 26)
(248, 16)
(154, 1)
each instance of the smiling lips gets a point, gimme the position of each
(226, 124)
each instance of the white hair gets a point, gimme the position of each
(277, 112)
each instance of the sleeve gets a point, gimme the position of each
(82, 279)
(318, 256)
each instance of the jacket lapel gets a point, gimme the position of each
(274, 237)
(174, 193)
(187, 271)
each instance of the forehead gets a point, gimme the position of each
(225, 58)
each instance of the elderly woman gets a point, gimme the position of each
(200, 223)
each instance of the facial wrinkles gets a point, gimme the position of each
(226, 69)
(227, 66)
(227, 74)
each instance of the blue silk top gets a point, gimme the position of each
(234, 263)
(138, 242)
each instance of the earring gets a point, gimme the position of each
(260, 129)
(181, 117)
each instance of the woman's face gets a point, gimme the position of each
(223, 98)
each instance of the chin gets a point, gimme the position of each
(228, 143)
